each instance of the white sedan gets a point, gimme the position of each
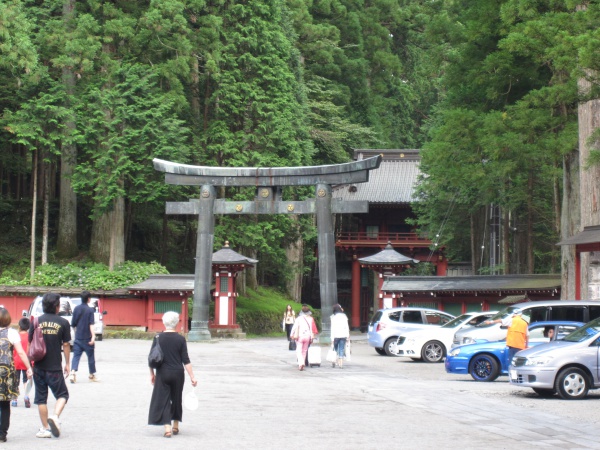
(431, 345)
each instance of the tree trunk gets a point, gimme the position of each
(117, 234)
(589, 121)
(34, 170)
(251, 275)
(530, 255)
(66, 244)
(46, 176)
(570, 220)
(506, 241)
(100, 240)
(294, 253)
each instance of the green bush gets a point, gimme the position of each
(92, 276)
(264, 322)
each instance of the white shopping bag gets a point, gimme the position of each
(28, 387)
(190, 401)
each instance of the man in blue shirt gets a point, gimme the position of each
(83, 322)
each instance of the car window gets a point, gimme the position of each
(477, 320)
(537, 335)
(412, 317)
(585, 332)
(376, 317)
(594, 312)
(537, 314)
(573, 313)
(394, 316)
(457, 321)
(434, 318)
(37, 309)
(65, 308)
(563, 330)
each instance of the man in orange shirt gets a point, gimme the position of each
(517, 334)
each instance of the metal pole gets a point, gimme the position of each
(327, 270)
(203, 271)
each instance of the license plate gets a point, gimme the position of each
(513, 374)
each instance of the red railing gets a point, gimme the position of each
(379, 236)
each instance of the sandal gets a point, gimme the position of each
(167, 434)
(175, 430)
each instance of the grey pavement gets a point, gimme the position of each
(251, 396)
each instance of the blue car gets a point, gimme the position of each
(486, 361)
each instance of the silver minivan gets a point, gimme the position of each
(536, 311)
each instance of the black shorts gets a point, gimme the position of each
(52, 379)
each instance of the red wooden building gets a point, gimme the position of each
(390, 192)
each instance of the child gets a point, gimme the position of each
(19, 365)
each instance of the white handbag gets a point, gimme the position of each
(348, 351)
(331, 355)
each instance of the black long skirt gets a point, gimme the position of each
(167, 397)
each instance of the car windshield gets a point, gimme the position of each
(506, 312)
(457, 321)
(585, 332)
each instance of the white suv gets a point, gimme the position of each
(388, 324)
(67, 305)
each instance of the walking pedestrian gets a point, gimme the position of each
(303, 332)
(83, 322)
(9, 383)
(340, 332)
(166, 404)
(20, 366)
(289, 317)
(48, 371)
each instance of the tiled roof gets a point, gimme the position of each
(166, 283)
(387, 256)
(393, 182)
(472, 283)
(228, 256)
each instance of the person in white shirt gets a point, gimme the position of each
(340, 332)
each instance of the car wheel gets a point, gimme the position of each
(433, 351)
(380, 351)
(484, 368)
(98, 337)
(572, 384)
(544, 392)
(387, 346)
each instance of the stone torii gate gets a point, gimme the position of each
(268, 182)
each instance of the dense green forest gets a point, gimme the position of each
(91, 91)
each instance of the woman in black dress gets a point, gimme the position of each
(167, 395)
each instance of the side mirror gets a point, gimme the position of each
(24, 313)
(104, 313)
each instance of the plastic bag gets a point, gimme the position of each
(190, 401)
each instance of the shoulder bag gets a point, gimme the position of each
(37, 347)
(155, 358)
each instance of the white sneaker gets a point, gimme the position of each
(54, 423)
(73, 376)
(44, 433)
(94, 377)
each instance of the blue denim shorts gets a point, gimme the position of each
(339, 345)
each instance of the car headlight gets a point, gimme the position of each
(538, 360)
(468, 340)
(455, 352)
